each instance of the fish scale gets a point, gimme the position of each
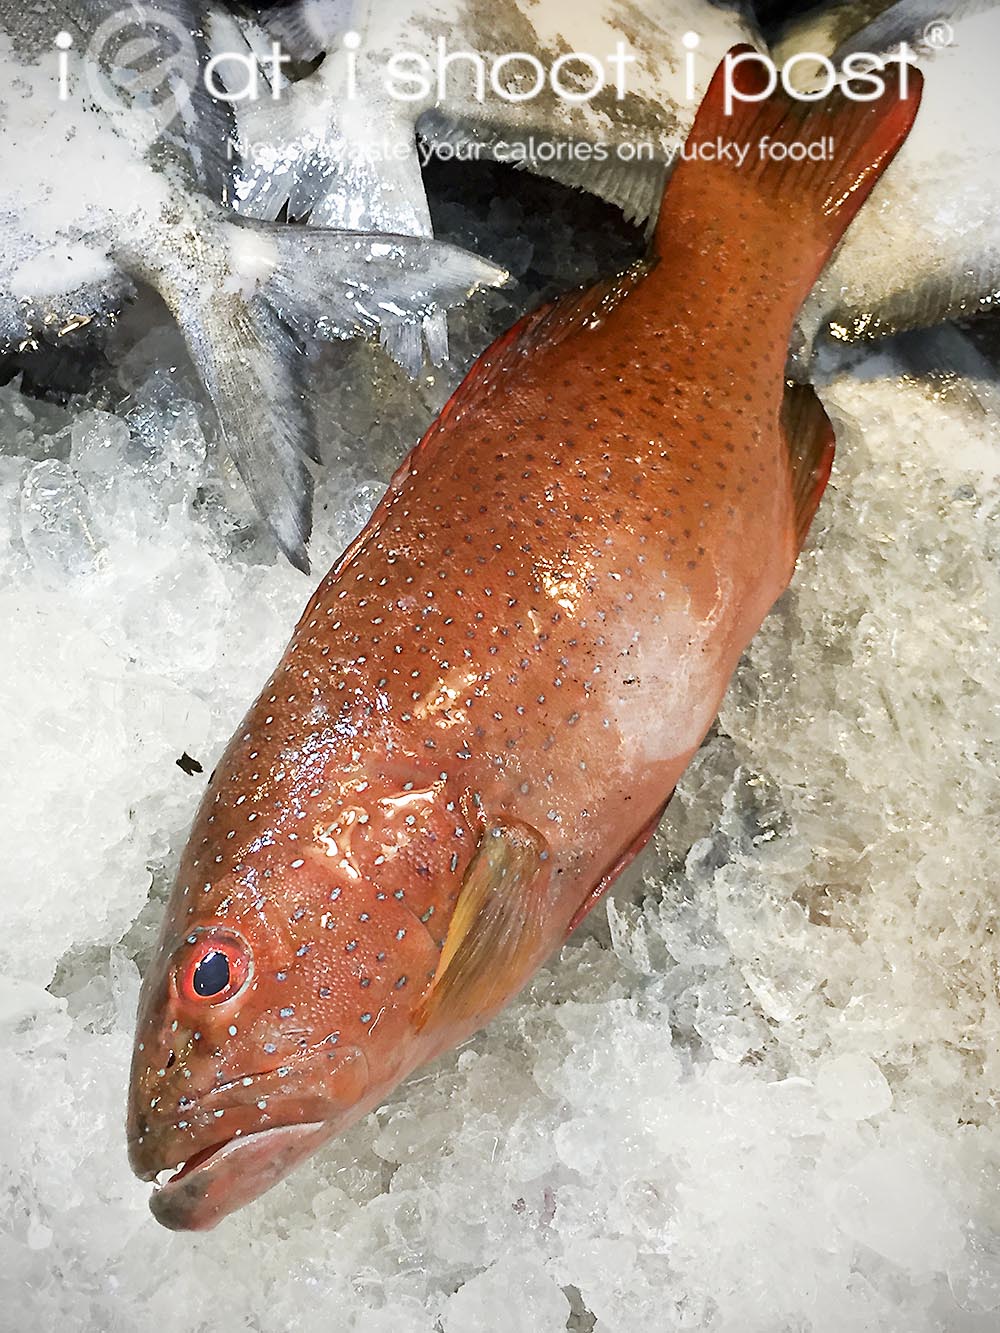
(490, 698)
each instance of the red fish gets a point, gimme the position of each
(489, 700)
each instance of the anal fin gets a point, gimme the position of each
(634, 849)
(496, 938)
(810, 439)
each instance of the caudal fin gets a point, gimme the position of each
(280, 287)
(306, 149)
(784, 175)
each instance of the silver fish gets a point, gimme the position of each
(113, 157)
(926, 247)
(868, 25)
(348, 154)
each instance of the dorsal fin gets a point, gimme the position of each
(496, 938)
(810, 439)
(543, 329)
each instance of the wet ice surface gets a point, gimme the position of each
(757, 1095)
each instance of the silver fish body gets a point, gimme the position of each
(926, 247)
(113, 155)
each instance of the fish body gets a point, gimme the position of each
(115, 174)
(927, 247)
(490, 698)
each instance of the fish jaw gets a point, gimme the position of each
(233, 1174)
(244, 1136)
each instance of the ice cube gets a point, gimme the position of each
(57, 524)
(852, 1087)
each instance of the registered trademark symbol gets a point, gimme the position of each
(938, 34)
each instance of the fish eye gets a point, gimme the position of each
(211, 976)
(213, 966)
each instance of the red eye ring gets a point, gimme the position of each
(213, 966)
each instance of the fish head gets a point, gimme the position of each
(256, 1036)
(238, 1071)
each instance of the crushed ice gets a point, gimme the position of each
(757, 1095)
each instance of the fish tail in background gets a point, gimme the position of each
(250, 295)
(307, 29)
(334, 165)
(634, 186)
(786, 216)
(905, 21)
(337, 184)
(251, 366)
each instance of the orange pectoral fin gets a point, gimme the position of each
(496, 938)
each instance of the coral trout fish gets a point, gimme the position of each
(490, 698)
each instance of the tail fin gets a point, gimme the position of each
(766, 190)
(264, 290)
(320, 164)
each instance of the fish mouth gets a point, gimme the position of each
(275, 1119)
(227, 1174)
(192, 1164)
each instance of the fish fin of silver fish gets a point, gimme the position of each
(310, 149)
(209, 128)
(496, 932)
(405, 342)
(938, 299)
(952, 365)
(342, 284)
(634, 187)
(809, 436)
(251, 365)
(315, 168)
(906, 21)
(254, 104)
(308, 29)
(288, 285)
(270, 131)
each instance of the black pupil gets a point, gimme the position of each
(212, 974)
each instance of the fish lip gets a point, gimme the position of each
(221, 1172)
(150, 1172)
(198, 1160)
(153, 1149)
(215, 1183)
(206, 1156)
